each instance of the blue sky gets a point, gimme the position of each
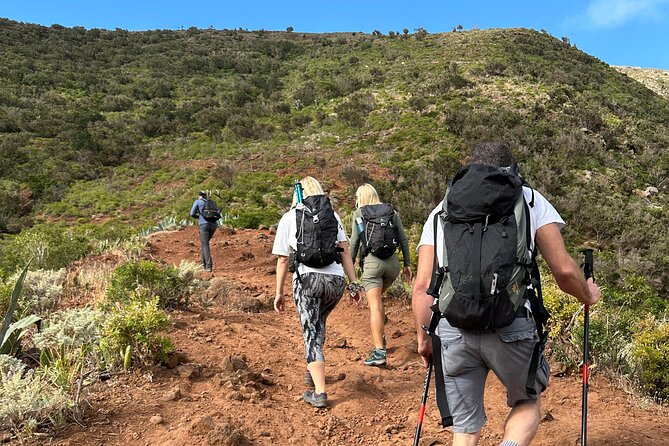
(619, 32)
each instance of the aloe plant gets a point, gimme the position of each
(11, 333)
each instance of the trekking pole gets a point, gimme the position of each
(421, 414)
(588, 270)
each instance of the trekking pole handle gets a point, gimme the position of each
(588, 264)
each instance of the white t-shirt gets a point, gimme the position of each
(541, 214)
(285, 243)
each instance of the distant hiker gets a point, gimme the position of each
(208, 214)
(490, 314)
(376, 234)
(310, 242)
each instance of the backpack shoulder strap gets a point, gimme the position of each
(539, 312)
(433, 290)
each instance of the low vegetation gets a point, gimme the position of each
(43, 370)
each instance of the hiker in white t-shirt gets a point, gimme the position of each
(467, 355)
(316, 290)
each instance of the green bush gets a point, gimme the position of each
(252, 218)
(167, 283)
(649, 356)
(135, 325)
(50, 246)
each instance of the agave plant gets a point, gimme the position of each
(11, 333)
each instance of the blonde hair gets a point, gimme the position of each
(366, 194)
(310, 186)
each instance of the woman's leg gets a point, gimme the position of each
(317, 370)
(315, 298)
(376, 315)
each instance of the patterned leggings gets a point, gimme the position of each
(315, 298)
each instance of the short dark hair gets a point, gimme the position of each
(202, 194)
(492, 153)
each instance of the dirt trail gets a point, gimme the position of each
(214, 399)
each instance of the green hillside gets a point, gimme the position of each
(105, 132)
(128, 125)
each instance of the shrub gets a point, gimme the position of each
(355, 176)
(171, 288)
(42, 289)
(50, 247)
(354, 112)
(68, 342)
(649, 356)
(90, 281)
(130, 248)
(135, 325)
(252, 218)
(28, 400)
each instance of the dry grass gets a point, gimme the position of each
(87, 281)
(652, 78)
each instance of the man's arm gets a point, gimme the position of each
(421, 301)
(194, 210)
(568, 275)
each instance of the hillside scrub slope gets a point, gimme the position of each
(103, 133)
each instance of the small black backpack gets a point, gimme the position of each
(210, 211)
(380, 237)
(317, 229)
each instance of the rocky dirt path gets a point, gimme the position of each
(241, 380)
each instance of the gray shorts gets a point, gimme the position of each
(468, 356)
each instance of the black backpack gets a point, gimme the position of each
(210, 211)
(487, 266)
(317, 229)
(380, 237)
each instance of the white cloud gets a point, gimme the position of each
(610, 13)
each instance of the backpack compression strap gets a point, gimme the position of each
(433, 290)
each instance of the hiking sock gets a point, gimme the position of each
(508, 443)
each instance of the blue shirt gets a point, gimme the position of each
(197, 210)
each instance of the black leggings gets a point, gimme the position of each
(315, 298)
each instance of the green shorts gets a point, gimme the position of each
(379, 272)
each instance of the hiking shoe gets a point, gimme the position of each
(378, 357)
(308, 380)
(319, 400)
